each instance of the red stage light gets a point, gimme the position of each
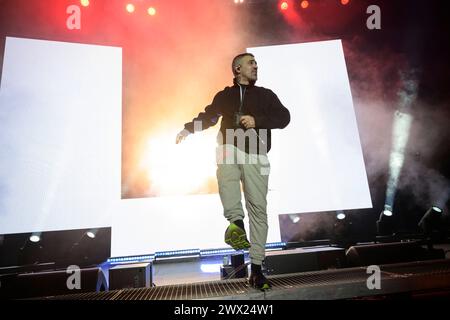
(130, 7)
(304, 4)
(284, 5)
(151, 11)
(84, 3)
(344, 2)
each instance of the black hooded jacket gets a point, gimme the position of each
(261, 103)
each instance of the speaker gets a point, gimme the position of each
(304, 259)
(387, 253)
(51, 283)
(136, 275)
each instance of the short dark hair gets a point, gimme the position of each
(237, 60)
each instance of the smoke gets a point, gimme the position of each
(423, 174)
(384, 86)
(385, 81)
(428, 186)
(174, 62)
(174, 67)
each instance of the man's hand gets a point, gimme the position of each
(248, 122)
(182, 135)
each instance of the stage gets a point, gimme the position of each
(185, 281)
(117, 116)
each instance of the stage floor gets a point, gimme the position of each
(189, 281)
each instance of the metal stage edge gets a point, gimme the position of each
(347, 283)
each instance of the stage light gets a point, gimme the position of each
(130, 7)
(431, 220)
(400, 136)
(151, 11)
(436, 209)
(284, 5)
(84, 3)
(92, 233)
(294, 218)
(342, 227)
(385, 223)
(238, 1)
(35, 237)
(304, 4)
(340, 216)
(402, 122)
(345, 2)
(387, 210)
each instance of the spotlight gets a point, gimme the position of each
(387, 210)
(431, 220)
(304, 4)
(340, 216)
(400, 135)
(151, 11)
(294, 218)
(84, 3)
(130, 7)
(345, 2)
(341, 230)
(92, 233)
(385, 223)
(284, 5)
(238, 1)
(35, 237)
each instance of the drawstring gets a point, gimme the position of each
(242, 97)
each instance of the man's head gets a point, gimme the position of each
(245, 68)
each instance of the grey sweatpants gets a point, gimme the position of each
(233, 167)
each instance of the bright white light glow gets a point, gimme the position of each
(437, 209)
(210, 267)
(130, 7)
(387, 213)
(341, 216)
(400, 135)
(179, 168)
(35, 238)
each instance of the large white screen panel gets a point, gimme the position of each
(60, 110)
(317, 161)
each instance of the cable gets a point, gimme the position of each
(236, 270)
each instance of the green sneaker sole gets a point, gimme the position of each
(236, 237)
